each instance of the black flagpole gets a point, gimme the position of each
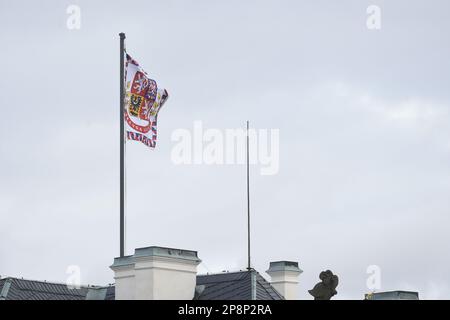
(122, 146)
(249, 267)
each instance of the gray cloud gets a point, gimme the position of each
(363, 118)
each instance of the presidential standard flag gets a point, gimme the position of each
(143, 100)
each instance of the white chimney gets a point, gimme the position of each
(124, 275)
(156, 273)
(284, 278)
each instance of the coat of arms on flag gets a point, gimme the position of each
(143, 100)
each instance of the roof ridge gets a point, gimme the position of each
(265, 282)
(219, 273)
(51, 282)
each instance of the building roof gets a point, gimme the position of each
(235, 286)
(21, 289)
(393, 295)
(242, 285)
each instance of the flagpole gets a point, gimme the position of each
(122, 145)
(249, 267)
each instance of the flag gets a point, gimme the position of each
(143, 100)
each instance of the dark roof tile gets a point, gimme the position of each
(235, 286)
(37, 290)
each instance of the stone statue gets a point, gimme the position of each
(327, 288)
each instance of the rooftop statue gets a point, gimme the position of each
(327, 288)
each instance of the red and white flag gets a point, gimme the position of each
(143, 100)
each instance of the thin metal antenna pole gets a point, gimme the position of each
(248, 201)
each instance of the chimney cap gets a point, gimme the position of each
(166, 252)
(284, 266)
(123, 261)
(155, 251)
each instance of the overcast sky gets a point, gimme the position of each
(364, 122)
